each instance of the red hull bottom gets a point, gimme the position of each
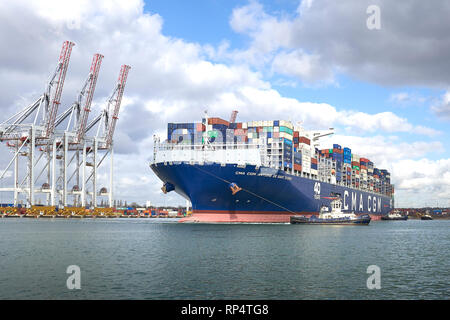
(225, 217)
(237, 217)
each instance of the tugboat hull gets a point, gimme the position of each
(360, 220)
(394, 219)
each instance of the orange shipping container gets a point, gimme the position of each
(304, 140)
(218, 121)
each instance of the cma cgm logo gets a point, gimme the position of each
(373, 203)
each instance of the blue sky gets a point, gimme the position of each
(208, 22)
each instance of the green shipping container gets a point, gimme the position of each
(212, 134)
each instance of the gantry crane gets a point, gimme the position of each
(103, 139)
(27, 136)
(27, 132)
(70, 140)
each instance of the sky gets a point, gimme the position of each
(385, 90)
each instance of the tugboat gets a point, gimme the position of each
(426, 217)
(335, 217)
(394, 215)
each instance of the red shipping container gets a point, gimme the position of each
(239, 125)
(304, 140)
(201, 127)
(297, 167)
(218, 121)
(296, 134)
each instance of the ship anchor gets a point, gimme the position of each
(234, 188)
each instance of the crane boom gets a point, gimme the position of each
(233, 116)
(59, 77)
(86, 106)
(114, 102)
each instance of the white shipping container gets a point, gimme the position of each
(244, 125)
(289, 125)
(276, 129)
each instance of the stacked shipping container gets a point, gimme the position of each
(290, 148)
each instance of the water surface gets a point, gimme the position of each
(163, 259)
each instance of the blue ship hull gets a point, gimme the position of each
(267, 195)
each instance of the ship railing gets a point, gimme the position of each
(259, 154)
(224, 153)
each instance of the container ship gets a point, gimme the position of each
(264, 172)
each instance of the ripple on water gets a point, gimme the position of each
(157, 259)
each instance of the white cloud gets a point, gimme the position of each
(399, 97)
(382, 150)
(170, 79)
(418, 181)
(397, 54)
(422, 182)
(404, 99)
(442, 109)
(307, 67)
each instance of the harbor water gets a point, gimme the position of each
(163, 259)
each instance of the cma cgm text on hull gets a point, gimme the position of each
(264, 171)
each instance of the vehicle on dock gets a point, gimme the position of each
(333, 217)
